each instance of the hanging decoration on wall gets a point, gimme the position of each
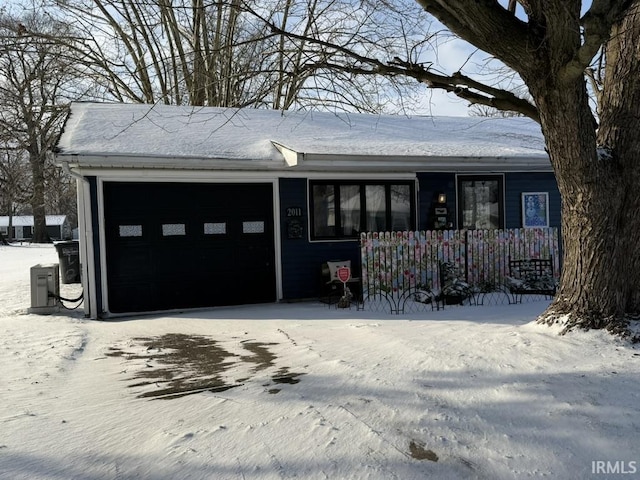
(535, 209)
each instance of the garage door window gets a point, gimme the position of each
(219, 228)
(252, 227)
(130, 230)
(173, 229)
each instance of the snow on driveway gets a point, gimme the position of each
(307, 391)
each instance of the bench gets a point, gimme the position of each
(531, 276)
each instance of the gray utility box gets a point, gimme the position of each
(45, 280)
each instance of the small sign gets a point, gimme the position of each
(294, 228)
(343, 274)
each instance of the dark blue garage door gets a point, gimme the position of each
(185, 245)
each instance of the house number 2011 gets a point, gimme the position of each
(294, 212)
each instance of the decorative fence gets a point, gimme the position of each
(398, 265)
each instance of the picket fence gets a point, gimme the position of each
(396, 265)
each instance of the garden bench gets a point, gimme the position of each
(531, 276)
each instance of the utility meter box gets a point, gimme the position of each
(45, 289)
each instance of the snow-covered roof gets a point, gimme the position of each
(27, 220)
(100, 134)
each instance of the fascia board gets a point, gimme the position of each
(420, 163)
(310, 162)
(176, 163)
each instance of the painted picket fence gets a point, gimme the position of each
(395, 265)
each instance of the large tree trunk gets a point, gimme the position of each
(591, 293)
(597, 169)
(599, 187)
(10, 227)
(619, 134)
(40, 234)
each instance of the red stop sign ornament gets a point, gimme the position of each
(343, 274)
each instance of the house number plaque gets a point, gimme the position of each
(294, 212)
(294, 224)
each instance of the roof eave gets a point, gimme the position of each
(426, 163)
(169, 162)
(320, 161)
(298, 161)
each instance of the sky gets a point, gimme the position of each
(303, 390)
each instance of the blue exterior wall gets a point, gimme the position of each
(429, 185)
(514, 184)
(301, 259)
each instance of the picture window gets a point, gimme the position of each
(344, 209)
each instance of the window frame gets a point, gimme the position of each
(362, 184)
(499, 177)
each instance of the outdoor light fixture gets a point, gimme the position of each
(442, 198)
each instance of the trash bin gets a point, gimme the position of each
(69, 256)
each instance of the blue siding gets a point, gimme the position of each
(430, 184)
(516, 183)
(302, 259)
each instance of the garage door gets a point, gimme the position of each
(185, 245)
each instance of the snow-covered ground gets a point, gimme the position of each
(306, 391)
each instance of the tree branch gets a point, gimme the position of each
(479, 21)
(596, 24)
(460, 85)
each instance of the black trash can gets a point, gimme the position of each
(69, 256)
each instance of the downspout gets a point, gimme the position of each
(84, 229)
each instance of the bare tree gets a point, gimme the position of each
(14, 182)
(234, 53)
(60, 192)
(485, 111)
(36, 77)
(173, 52)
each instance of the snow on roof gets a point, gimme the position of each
(160, 131)
(27, 220)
